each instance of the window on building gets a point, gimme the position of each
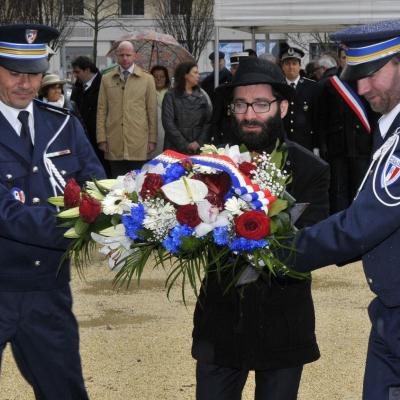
(73, 7)
(132, 7)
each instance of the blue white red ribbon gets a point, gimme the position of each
(242, 185)
(352, 99)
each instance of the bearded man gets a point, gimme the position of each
(267, 325)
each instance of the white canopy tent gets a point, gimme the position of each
(274, 16)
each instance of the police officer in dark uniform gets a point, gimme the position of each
(301, 121)
(41, 147)
(370, 227)
(224, 75)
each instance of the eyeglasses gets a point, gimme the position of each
(259, 107)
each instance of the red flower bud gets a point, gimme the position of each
(187, 164)
(89, 209)
(72, 194)
(246, 168)
(253, 225)
(151, 185)
(188, 215)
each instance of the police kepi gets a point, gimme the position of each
(41, 147)
(370, 228)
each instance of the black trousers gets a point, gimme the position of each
(124, 166)
(223, 383)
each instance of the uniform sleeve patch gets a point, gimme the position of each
(392, 173)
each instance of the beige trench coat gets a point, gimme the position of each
(127, 114)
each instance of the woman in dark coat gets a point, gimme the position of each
(186, 112)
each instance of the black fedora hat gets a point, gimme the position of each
(23, 47)
(255, 71)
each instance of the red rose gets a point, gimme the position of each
(89, 209)
(188, 215)
(218, 186)
(246, 168)
(253, 225)
(72, 194)
(151, 185)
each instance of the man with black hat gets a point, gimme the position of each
(370, 227)
(224, 74)
(263, 325)
(41, 147)
(301, 121)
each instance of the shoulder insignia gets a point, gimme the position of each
(308, 79)
(52, 108)
(392, 173)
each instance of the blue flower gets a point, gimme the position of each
(173, 172)
(221, 235)
(173, 242)
(134, 222)
(242, 244)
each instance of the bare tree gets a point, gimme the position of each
(47, 12)
(190, 22)
(100, 14)
(320, 40)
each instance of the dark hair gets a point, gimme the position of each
(43, 92)
(83, 62)
(165, 70)
(179, 76)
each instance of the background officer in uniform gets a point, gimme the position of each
(41, 147)
(370, 227)
(301, 121)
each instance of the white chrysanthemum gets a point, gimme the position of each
(236, 206)
(209, 149)
(116, 202)
(160, 217)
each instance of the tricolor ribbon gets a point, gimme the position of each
(242, 185)
(352, 99)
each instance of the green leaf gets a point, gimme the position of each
(115, 219)
(277, 206)
(81, 227)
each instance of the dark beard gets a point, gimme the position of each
(272, 129)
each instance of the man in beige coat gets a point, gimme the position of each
(126, 113)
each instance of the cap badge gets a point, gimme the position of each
(290, 51)
(31, 35)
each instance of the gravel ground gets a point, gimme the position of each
(135, 344)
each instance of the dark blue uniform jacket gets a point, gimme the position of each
(368, 229)
(31, 244)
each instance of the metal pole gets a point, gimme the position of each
(216, 58)
(253, 38)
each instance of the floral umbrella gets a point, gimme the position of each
(154, 48)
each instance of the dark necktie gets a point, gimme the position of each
(25, 135)
(293, 85)
(126, 74)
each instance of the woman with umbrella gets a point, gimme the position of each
(186, 111)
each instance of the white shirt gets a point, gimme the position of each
(11, 115)
(387, 119)
(130, 69)
(89, 82)
(296, 81)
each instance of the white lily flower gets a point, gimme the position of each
(185, 191)
(211, 218)
(126, 182)
(114, 231)
(154, 169)
(209, 149)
